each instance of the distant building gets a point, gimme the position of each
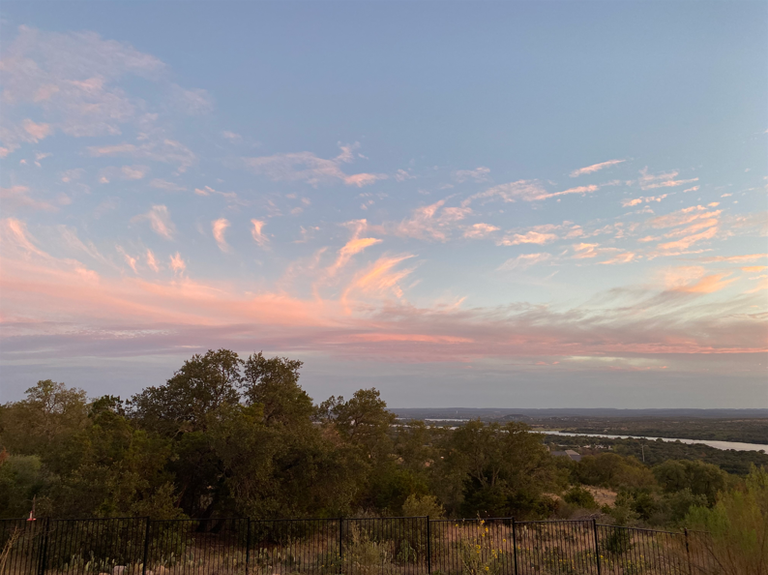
(570, 453)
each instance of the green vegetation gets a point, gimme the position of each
(748, 430)
(233, 437)
(736, 528)
(653, 452)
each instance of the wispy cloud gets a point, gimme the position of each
(165, 150)
(165, 185)
(130, 260)
(151, 261)
(736, 259)
(17, 197)
(594, 168)
(431, 222)
(693, 224)
(649, 181)
(620, 324)
(309, 168)
(160, 219)
(231, 136)
(380, 279)
(585, 251)
(531, 237)
(219, 227)
(526, 190)
(177, 264)
(524, 261)
(622, 258)
(695, 279)
(627, 203)
(257, 231)
(479, 174)
(479, 231)
(355, 245)
(577, 190)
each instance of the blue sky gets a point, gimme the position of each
(472, 203)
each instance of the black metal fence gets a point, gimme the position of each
(346, 546)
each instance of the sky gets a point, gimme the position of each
(481, 204)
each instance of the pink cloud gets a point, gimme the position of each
(151, 261)
(682, 217)
(594, 168)
(166, 185)
(17, 197)
(160, 219)
(584, 251)
(642, 200)
(478, 175)
(130, 260)
(478, 231)
(577, 190)
(160, 150)
(309, 168)
(531, 237)
(380, 279)
(219, 227)
(177, 264)
(433, 221)
(694, 279)
(36, 132)
(361, 180)
(623, 258)
(73, 308)
(524, 261)
(526, 190)
(737, 259)
(257, 232)
(664, 180)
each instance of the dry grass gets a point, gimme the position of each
(465, 548)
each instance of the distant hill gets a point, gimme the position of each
(517, 414)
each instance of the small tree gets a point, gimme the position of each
(737, 527)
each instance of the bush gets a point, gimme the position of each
(737, 527)
(423, 506)
(580, 497)
(618, 542)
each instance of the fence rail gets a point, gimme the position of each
(346, 546)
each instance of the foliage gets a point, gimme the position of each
(737, 527)
(618, 541)
(481, 552)
(227, 436)
(423, 506)
(580, 497)
(654, 452)
(696, 476)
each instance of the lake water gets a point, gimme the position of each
(735, 445)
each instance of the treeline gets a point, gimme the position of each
(227, 436)
(748, 429)
(653, 452)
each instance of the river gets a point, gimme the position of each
(735, 445)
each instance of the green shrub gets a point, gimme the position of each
(580, 497)
(737, 527)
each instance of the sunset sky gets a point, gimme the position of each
(462, 204)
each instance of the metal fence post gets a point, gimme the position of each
(688, 551)
(514, 543)
(44, 547)
(597, 546)
(341, 543)
(145, 559)
(248, 547)
(429, 548)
